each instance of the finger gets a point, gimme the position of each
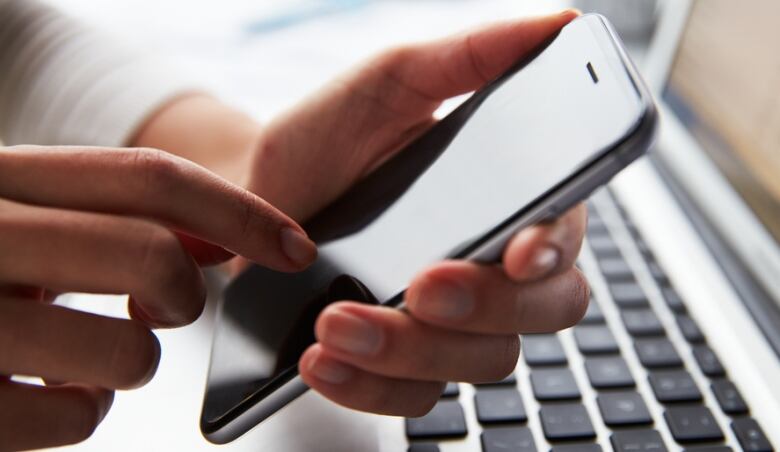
(459, 64)
(469, 297)
(154, 184)
(27, 293)
(60, 344)
(22, 291)
(360, 390)
(74, 251)
(389, 342)
(35, 417)
(546, 249)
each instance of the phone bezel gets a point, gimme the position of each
(594, 173)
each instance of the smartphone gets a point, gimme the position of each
(522, 149)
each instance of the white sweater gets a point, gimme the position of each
(64, 83)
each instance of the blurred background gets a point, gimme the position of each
(263, 55)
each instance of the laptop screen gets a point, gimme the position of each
(724, 85)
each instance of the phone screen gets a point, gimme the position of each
(498, 152)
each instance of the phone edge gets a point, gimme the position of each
(550, 205)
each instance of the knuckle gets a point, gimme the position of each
(168, 268)
(161, 255)
(135, 355)
(520, 318)
(382, 401)
(393, 57)
(578, 299)
(424, 398)
(158, 170)
(422, 359)
(255, 216)
(11, 329)
(85, 420)
(507, 356)
(17, 222)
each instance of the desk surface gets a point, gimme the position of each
(253, 54)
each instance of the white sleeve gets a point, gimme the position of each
(64, 83)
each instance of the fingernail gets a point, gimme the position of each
(445, 300)
(351, 334)
(297, 246)
(544, 261)
(329, 370)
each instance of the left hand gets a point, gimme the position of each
(464, 319)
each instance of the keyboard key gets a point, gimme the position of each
(616, 269)
(642, 322)
(657, 352)
(608, 372)
(673, 300)
(510, 380)
(628, 295)
(577, 448)
(595, 339)
(623, 408)
(637, 441)
(708, 449)
(543, 350)
(451, 390)
(690, 330)
(708, 361)
(593, 314)
(596, 225)
(750, 435)
(567, 421)
(658, 274)
(644, 248)
(554, 384)
(495, 405)
(445, 420)
(692, 424)
(423, 447)
(729, 398)
(674, 386)
(503, 439)
(603, 245)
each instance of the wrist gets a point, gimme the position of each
(202, 129)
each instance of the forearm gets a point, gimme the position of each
(204, 130)
(65, 83)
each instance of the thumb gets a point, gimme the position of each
(462, 63)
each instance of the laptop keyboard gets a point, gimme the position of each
(636, 374)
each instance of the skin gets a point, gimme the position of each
(132, 221)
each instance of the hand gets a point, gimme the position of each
(464, 319)
(308, 156)
(135, 221)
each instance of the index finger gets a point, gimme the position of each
(157, 185)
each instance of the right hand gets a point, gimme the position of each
(135, 221)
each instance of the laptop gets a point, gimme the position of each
(680, 348)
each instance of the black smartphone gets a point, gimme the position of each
(524, 148)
